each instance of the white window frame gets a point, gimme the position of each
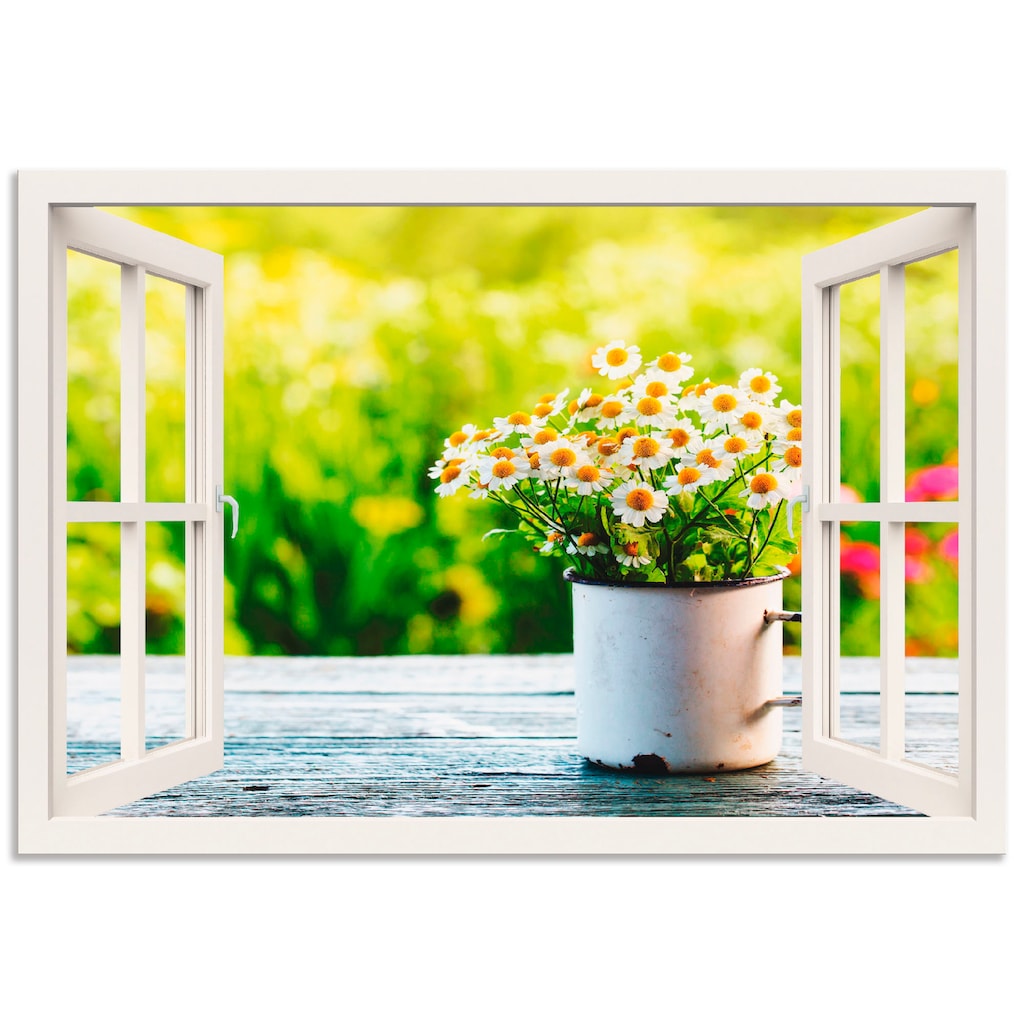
(980, 831)
(140, 252)
(885, 251)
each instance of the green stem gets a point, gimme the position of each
(768, 535)
(750, 547)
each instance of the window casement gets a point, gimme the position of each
(60, 810)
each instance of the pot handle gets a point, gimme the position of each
(770, 617)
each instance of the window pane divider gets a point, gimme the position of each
(889, 512)
(136, 512)
(892, 487)
(133, 531)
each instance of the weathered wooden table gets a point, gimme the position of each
(470, 735)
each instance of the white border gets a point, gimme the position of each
(37, 190)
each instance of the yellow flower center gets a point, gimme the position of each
(626, 433)
(640, 499)
(723, 403)
(481, 435)
(796, 434)
(450, 473)
(760, 384)
(794, 456)
(588, 474)
(703, 389)
(631, 548)
(611, 409)
(503, 469)
(735, 445)
(680, 438)
(645, 447)
(752, 420)
(706, 457)
(574, 407)
(689, 475)
(763, 483)
(543, 409)
(616, 356)
(669, 362)
(555, 538)
(689, 390)
(458, 438)
(593, 401)
(649, 406)
(503, 453)
(549, 396)
(544, 436)
(588, 540)
(795, 417)
(563, 457)
(608, 445)
(534, 460)
(519, 419)
(657, 389)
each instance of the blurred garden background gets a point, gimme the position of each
(357, 339)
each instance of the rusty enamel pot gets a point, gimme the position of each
(678, 677)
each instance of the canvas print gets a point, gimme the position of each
(511, 511)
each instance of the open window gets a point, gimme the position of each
(170, 485)
(878, 760)
(62, 510)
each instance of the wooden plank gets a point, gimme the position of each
(456, 736)
(454, 674)
(484, 777)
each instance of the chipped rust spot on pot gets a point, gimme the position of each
(651, 764)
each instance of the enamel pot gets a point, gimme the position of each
(683, 677)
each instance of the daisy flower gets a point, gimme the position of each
(637, 504)
(688, 479)
(719, 406)
(764, 489)
(454, 442)
(685, 437)
(440, 466)
(715, 468)
(654, 412)
(453, 476)
(516, 423)
(616, 359)
(504, 472)
(613, 413)
(792, 414)
(754, 421)
(549, 405)
(559, 457)
(556, 539)
(648, 451)
(760, 386)
(630, 556)
(478, 490)
(587, 544)
(790, 461)
(655, 387)
(587, 479)
(587, 406)
(735, 446)
(671, 367)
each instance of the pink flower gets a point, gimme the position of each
(859, 556)
(915, 570)
(849, 494)
(949, 547)
(916, 543)
(935, 483)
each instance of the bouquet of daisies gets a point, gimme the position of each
(647, 476)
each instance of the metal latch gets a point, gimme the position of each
(804, 498)
(223, 499)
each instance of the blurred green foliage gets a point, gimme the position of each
(357, 338)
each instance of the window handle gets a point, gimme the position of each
(226, 499)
